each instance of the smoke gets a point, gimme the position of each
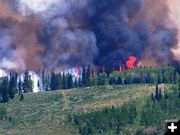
(35, 78)
(65, 33)
(2, 73)
(19, 45)
(175, 16)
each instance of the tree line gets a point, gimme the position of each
(67, 80)
(10, 85)
(166, 74)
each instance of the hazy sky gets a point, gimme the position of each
(174, 6)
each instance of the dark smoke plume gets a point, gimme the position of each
(77, 32)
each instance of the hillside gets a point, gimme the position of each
(46, 113)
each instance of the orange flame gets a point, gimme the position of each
(130, 63)
(121, 69)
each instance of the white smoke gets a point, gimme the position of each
(46, 8)
(36, 5)
(175, 16)
(49, 8)
(2, 73)
(35, 79)
(7, 64)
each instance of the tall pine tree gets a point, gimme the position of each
(84, 76)
(70, 81)
(4, 88)
(27, 83)
(20, 86)
(43, 79)
(64, 81)
(76, 82)
(53, 81)
(12, 86)
(88, 75)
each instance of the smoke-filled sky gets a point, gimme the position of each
(175, 16)
(66, 33)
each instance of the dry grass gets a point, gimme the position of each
(45, 113)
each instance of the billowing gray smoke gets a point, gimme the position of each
(66, 33)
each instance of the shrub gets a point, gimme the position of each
(3, 112)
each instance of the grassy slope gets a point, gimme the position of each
(45, 113)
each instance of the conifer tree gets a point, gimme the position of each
(53, 81)
(88, 75)
(43, 79)
(21, 97)
(20, 86)
(159, 78)
(64, 81)
(160, 94)
(12, 86)
(4, 88)
(157, 92)
(76, 83)
(15, 82)
(179, 90)
(27, 83)
(58, 81)
(70, 81)
(80, 82)
(84, 76)
(46, 83)
(0, 89)
(38, 85)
